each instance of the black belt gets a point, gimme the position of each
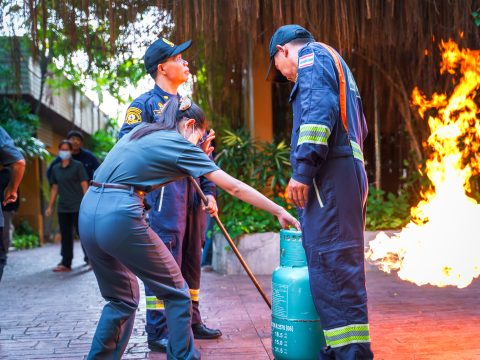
(117, 186)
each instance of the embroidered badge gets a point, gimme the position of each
(306, 61)
(159, 110)
(133, 116)
(168, 42)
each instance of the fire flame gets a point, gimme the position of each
(441, 246)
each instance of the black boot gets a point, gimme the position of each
(158, 345)
(201, 331)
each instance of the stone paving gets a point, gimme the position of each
(45, 315)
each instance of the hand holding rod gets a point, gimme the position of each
(232, 244)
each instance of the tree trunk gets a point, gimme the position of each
(377, 134)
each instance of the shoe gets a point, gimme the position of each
(201, 331)
(61, 268)
(158, 345)
(207, 268)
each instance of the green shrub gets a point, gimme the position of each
(264, 166)
(25, 237)
(386, 211)
(20, 242)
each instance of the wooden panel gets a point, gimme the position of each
(262, 95)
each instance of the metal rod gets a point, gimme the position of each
(232, 244)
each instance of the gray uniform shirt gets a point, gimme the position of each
(157, 158)
(8, 155)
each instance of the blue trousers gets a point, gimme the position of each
(333, 225)
(187, 252)
(121, 247)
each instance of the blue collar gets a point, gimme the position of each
(294, 92)
(162, 93)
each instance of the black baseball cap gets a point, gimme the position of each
(160, 51)
(284, 35)
(75, 133)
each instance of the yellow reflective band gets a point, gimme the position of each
(154, 304)
(357, 151)
(195, 294)
(345, 335)
(314, 134)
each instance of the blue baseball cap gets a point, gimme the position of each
(160, 50)
(284, 35)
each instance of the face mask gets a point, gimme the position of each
(64, 154)
(188, 137)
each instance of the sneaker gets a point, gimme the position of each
(61, 268)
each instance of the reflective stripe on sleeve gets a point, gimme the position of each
(345, 335)
(154, 304)
(313, 133)
(357, 151)
(195, 294)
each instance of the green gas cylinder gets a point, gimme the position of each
(296, 330)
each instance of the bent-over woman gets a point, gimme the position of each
(118, 241)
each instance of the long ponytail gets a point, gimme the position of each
(170, 116)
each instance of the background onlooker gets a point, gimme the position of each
(79, 153)
(69, 181)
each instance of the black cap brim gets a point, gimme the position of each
(181, 48)
(269, 69)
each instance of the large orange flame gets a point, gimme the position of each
(441, 246)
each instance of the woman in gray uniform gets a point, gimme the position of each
(118, 241)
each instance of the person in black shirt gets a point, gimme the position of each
(70, 181)
(79, 153)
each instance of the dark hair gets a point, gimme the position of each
(75, 133)
(65, 141)
(153, 74)
(170, 116)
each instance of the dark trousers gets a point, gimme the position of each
(188, 254)
(68, 223)
(3, 254)
(207, 248)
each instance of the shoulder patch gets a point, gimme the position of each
(133, 116)
(306, 60)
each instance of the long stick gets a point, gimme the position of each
(232, 245)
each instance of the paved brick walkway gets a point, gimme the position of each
(53, 316)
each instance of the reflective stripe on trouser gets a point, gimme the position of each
(122, 247)
(345, 335)
(156, 304)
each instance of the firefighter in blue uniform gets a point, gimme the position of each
(120, 244)
(328, 185)
(175, 215)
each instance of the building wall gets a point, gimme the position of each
(262, 96)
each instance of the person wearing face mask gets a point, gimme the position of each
(79, 153)
(69, 182)
(176, 213)
(120, 244)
